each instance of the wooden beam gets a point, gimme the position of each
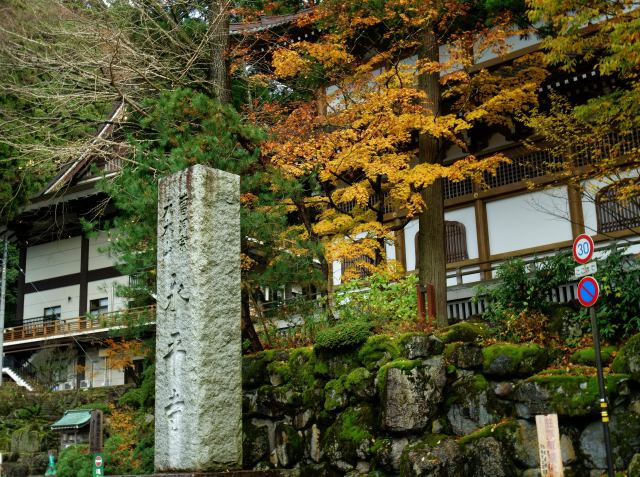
(482, 236)
(401, 252)
(576, 215)
(22, 263)
(84, 269)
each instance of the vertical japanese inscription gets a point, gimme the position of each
(173, 234)
(198, 404)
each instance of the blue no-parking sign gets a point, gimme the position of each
(588, 291)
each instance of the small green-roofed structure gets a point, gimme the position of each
(74, 427)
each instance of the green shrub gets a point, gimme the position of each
(343, 335)
(75, 461)
(522, 293)
(618, 307)
(379, 299)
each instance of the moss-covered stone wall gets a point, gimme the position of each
(426, 405)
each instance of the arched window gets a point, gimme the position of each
(357, 266)
(456, 242)
(614, 213)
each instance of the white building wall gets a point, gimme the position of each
(53, 259)
(528, 220)
(96, 258)
(68, 298)
(107, 289)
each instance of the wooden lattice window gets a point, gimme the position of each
(456, 242)
(616, 214)
(357, 267)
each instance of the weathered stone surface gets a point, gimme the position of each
(464, 355)
(488, 457)
(289, 445)
(198, 424)
(566, 395)
(625, 441)
(255, 444)
(472, 405)
(434, 456)
(410, 392)
(315, 445)
(420, 345)
(525, 446)
(388, 453)
(348, 440)
(26, 440)
(507, 359)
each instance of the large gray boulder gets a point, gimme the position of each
(433, 456)
(472, 404)
(410, 393)
(488, 457)
(625, 441)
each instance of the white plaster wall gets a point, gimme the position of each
(106, 289)
(98, 372)
(35, 303)
(390, 250)
(410, 231)
(53, 259)
(466, 216)
(528, 220)
(337, 273)
(590, 189)
(96, 258)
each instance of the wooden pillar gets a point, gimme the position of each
(401, 252)
(576, 216)
(482, 233)
(84, 271)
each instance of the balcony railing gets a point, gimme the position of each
(60, 327)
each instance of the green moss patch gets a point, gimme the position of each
(406, 365)
(628, 358)
(587, 356)
(377, 351)
(507, 359)
(572, 395)
(467, 331)
(343, 335)
(502, 431)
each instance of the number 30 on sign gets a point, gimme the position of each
(583, 248)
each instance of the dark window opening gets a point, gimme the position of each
(614, 213)
(455, 242)
(98, 306)
(52, 313)
(357, 266)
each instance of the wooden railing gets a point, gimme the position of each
(62, 327)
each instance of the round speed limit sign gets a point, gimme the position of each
(582, 248)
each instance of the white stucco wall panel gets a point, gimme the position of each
(107, 289)
(53, 259)
(528, 220)
(66, 297)
(99, 259)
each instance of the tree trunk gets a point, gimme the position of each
(246, 325)
(219, 67)
(432, 260)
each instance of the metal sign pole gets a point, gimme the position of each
(3, 292)
(603, 397)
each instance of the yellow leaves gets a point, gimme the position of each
(120, 354)
(288, 63)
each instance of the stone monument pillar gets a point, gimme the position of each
(198, 415)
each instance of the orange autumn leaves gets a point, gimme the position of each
(358, 135)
